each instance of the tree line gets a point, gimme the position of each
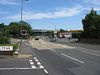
(14, 28)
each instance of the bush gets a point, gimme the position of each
(90, 35)
(76, 35)
(4, 40)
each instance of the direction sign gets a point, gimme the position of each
(6, 48)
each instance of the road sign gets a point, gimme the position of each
(23, 32)
(6, 48)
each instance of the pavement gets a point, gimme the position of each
(39, 57)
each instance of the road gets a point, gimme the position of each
(44, 58)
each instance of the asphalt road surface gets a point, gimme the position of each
(45, 58)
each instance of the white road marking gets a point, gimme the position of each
(41, 66)
(33, 67)
(31, 63)
(45, 71)
(18, 68)
(36, 60)
(72, 58)
(30, 60)
(90, 53)
(38, 63)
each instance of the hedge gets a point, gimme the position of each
(4, 40)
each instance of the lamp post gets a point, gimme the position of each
(22, 3)
(22, 9)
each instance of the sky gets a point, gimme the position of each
(48, 14)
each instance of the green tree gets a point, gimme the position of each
(14, 29)
(2, 30)
(25, 26)
(61, 31)
(2, 25)
(91, 25)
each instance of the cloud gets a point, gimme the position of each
(96, 2)
(64, 12)
(9, 2)
(95, 8)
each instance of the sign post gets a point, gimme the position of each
(23, 33)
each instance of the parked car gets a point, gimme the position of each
(53, 40)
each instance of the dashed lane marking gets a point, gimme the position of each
(41, 66)
(31, 63)
(72, 58)
(38, 63)
(34, 67)
(90, 53)
(45, 71)
(30, 60)
(35, 58)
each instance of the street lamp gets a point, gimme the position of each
(22, 2)
(22, 9)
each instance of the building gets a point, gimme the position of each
(68, 34)
(41, 32)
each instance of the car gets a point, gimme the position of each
(53, 40)
(36, 37)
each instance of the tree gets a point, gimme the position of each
(2, 25)
(61, 31)
(14, 28)
(91, 25)
(2, 32)
(25, 26)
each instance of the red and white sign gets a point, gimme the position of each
(6, 48)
